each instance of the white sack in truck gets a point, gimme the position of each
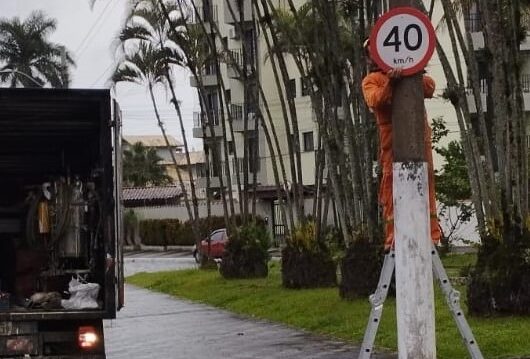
(82, 295)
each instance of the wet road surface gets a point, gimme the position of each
(155, 325)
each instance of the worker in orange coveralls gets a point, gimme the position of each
(377, 89)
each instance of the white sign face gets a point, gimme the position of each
(403, 38)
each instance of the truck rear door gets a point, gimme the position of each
(118, 200)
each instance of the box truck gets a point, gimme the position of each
(61, 270)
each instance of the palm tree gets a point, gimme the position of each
(146, 23)
(141, 167)
(332, 75)
(27, 58)
(199, 51)
(146, 66)
(498, 150)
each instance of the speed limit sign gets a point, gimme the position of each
(402, 38)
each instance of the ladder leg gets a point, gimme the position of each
(377, 300)
(452, 297)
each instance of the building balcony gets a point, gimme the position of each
(525, 86)
(233, 5)
(207, 80)
(201, 124)
(254, 166)
(217, 174)
(238, 112)
(234, 62)
(206, 15)
(474, 23)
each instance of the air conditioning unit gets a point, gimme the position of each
(251, 116)
(233, 33)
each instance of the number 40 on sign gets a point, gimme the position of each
(403, 37)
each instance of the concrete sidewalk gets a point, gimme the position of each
(158, 326)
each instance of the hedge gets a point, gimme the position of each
(164, 232)
(168, 232)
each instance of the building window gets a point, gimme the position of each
(305, 82)
(231, 148)
(308, 142)
(291, 89)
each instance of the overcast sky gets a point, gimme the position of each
(90, 35)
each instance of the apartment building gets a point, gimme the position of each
(241, 108)
(243, 105)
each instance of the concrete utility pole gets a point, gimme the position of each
(414, 277)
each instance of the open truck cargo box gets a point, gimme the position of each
(60, 193)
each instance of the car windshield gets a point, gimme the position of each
(217, 236)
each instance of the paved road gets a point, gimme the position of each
(158, 326)
(157, 261)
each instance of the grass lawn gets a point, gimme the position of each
(322, 311)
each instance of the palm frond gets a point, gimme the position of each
(24, 45)
(134, 33)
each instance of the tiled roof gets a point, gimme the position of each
(153, 141)
(195, 157)
(150, 195)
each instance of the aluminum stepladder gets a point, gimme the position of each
(452, 297)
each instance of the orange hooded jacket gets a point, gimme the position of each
(377, 90)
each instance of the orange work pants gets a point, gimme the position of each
(386, 193)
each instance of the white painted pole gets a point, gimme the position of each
(414, 278)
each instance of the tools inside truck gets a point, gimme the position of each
(51, 237)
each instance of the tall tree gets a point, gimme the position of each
(141, 167)
(146, 24)
(199, 53)
(145, 66)
(331, 75)
(28, 58)
(493, 133)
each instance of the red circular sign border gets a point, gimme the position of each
(398, 11)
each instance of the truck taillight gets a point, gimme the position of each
(88, 337)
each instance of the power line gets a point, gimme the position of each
(102, 74)
(104, 20)
(92, 27)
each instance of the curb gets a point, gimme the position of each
(143, 247)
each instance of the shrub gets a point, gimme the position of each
(166, 232)
(360, 268)
(500, 281)
(246, 253)
(306, 262)
(130, 225)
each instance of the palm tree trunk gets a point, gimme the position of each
(290, 216)
(185, 141)
(174, 160)
(242, 195)
(475, 171)
(195, 70)
(483, 139)
(295, 141)
(273, 127)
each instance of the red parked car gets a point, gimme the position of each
(218, 239)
